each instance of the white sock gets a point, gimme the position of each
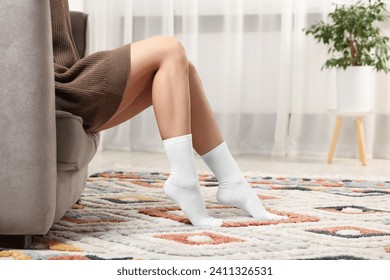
(233, 188)
(182, 186)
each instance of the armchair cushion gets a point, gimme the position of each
(75, 148)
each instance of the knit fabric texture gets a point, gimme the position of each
(90, 87)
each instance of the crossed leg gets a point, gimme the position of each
(148, 87)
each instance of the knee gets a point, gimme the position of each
(174, 52)
(191, 66)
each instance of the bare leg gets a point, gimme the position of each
(205, 130)
(204, 127)
(160, 75)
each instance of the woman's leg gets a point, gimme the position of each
(233, 188)
(159, 76)
(205, 130)
(195, 116)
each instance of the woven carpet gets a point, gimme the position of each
(125, 215)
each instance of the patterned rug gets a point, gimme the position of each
(125, 215)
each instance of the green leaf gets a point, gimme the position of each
(353, 36)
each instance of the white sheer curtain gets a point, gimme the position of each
(261, 73)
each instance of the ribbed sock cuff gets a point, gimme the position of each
(214, 151)
(178, 139)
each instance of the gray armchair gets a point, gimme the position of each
(44, 153)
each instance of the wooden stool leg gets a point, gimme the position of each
(360, 140)
(335, 136)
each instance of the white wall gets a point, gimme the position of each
(76, 5)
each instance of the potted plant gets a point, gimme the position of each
(357, 49)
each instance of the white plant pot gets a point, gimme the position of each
(355, 88)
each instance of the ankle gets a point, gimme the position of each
(234, 181)
(186, 182)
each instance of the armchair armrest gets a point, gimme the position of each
(27, 118)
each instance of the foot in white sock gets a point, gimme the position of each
(239, 194)
(233, 188)
(182, 186)
(191, 203)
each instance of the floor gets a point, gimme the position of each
(293, 166)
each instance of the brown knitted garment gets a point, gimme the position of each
(91, 87)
